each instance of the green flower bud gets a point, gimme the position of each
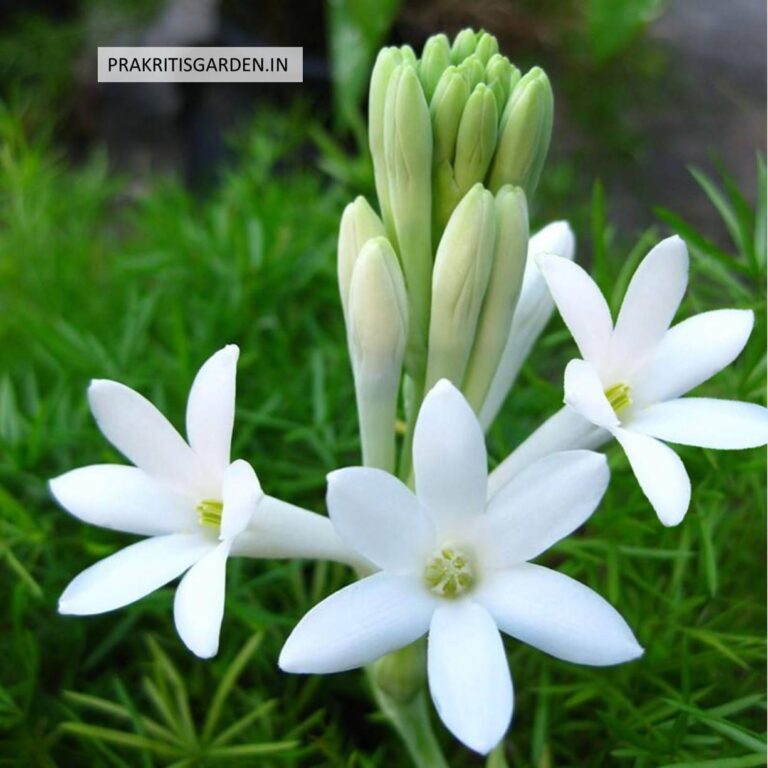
(473, 70)
(386, 63)
(487, 46)
(435, 59)
(464, 45)
(524, 134)
(459, 281)
(476, 141)
(501, 77)
(408, 156)
(500, 300)
(359, 223)
(409, 55)
(378, 330)
(446, 109)
(401, 675)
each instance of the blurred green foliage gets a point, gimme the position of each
(356, 31)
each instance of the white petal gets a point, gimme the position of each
(652, 298)
(241, 496)
(282, 530)
(211, 408)
(556, 238)
(468, 674)
(692, 352)
(379, 517)
(199, 605)
(358, 625)
(660, 472)
(123, 499)
(581, 305)
(541, 505)
(584, 393)
(565, 430)
(132, 573)
(143, 435)
(705, 422)
(557, 615)
(449, 458)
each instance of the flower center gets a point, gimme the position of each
(449, 573)
(619, 396)
(209, 513)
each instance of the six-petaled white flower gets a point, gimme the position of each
(456, 567)
(631, 376)
(196, 506)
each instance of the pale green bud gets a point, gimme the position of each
(408, 155)
(487, 46)
(524, 134)
(359, 223)
(500, 300)
(446, 109)
(409, 55)
(401, 675)
(378, 330)
(464, 45)
(386, 63)
(435, 59)
(501, 77)
(459, 281)
(476, 141)
(473, 70)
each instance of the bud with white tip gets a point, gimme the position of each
(378, 329)
(459, 281)
(502, 295)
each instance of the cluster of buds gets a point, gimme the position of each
(458, 139)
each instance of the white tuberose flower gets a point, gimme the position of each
(456, 567)
(193, 503)
(631, 376)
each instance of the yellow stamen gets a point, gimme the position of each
(209, 513)
(449, 574)
(619, 396)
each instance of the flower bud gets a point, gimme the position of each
(401, 675)
(408, 156)
(487, 46)
(476, 140)
(386, 62)
(459, 281)
(501, 77)
(534, 308)
(501, 298)
(359, 223)
(446, 108)
(435, 59)
(378, 330)
(409, 55)
(473, 70)
(464, 45)
(524, 134)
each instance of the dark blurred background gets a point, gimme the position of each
(644, 88)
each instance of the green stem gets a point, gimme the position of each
(413, 395)
(411, 721)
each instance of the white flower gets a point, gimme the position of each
(534, 308)
(631, 376)
(456, 567)
(194, 504)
